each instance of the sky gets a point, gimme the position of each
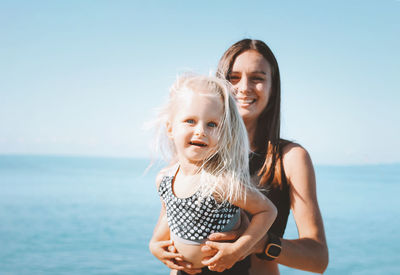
(84, 77)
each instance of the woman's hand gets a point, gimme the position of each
(212, 247)
(163, 248)
(186, 266)
(165, 252)
(227, 255)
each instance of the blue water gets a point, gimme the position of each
(65, 215)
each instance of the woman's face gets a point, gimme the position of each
(252, 79)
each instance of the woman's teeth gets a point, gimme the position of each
(245, 101)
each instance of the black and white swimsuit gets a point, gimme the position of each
(192, 222)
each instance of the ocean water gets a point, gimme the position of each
(67, 215)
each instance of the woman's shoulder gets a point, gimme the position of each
(295, 158)
(293, 150)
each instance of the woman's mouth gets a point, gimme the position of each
(245, 101)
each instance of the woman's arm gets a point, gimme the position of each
(309, 252)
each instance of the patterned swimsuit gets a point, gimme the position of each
(193, 221)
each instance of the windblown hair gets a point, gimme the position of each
(267, 137)
(224, 174)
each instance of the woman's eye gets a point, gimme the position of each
(212, 124)
(258, 79)
(234, 79)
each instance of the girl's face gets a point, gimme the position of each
(193, 127)
(252, 79)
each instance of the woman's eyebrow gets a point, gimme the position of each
(254, 72)
(259, 72)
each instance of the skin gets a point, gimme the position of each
(309, 252)
(192, 130)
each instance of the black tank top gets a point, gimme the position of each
(279, 195)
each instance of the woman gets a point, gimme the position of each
(282, 168)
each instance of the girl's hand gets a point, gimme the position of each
(225, 257)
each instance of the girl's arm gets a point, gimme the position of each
(264, 214)
(308, 252)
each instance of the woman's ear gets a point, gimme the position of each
(169, 129)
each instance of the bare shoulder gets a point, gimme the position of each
(296, 160)
(166, 171)
(159, 178)
(293, 152)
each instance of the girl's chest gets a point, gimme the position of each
(184, 188)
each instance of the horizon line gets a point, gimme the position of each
(60, 155)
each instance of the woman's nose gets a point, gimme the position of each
(243, 86)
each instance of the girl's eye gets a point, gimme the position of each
(190, 121)
(212, 124)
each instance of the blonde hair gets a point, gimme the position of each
(225, 173)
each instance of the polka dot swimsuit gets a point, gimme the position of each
(190, 220)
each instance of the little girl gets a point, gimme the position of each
(208, 182)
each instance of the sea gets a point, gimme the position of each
(84, 215)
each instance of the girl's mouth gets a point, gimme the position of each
(198, 143)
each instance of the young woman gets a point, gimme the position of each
(282, 167)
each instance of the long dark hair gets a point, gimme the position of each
(267, 137)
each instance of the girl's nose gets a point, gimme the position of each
(199, 131)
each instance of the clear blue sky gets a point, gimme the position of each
(81, 77)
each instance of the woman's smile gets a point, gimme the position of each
(243, 102)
